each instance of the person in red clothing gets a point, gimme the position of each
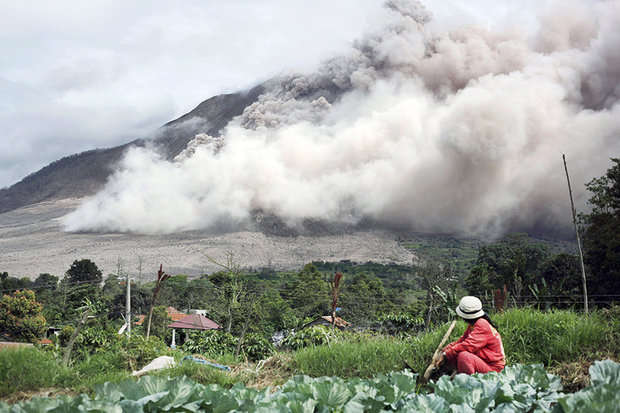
(480, 348)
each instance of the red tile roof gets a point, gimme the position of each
(195, 322)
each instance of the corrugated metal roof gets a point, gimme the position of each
(195, 322)
(327, 320)
(339, 321)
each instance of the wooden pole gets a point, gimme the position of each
(583, 268)
(429, 369)
(245, 327)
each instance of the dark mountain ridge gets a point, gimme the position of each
(85, 173)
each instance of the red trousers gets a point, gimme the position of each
(470, 363)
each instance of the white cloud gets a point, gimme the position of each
(80, 75)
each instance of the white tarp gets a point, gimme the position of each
(159, 363)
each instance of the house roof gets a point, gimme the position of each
(195, 322)
(339, 321)
(175, 314)
(327, 319)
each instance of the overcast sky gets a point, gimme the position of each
(78, 75)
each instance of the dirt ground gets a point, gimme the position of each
(32, 242)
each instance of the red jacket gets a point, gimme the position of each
(482, 340)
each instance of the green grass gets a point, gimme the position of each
(529, 336)
(352, 359)
(364, 355)
(28, 368)
(200, 373)
(557, 336)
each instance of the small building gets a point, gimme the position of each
(326, 320)
(175, 314)
(192, 322)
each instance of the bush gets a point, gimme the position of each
(312, 336)
(400, 323)
(256, 347)
(210, 342)
(65, 335)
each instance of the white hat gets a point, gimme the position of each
(470, 308)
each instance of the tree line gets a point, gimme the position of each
(373, 296)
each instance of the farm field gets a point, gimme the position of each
(552, 357)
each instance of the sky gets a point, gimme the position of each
(78, 75)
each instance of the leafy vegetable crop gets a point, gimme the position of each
(516, 389)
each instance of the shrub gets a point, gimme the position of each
(256, 347)
(312, 336)
(65, 335)
(210, 342)
(20, 316)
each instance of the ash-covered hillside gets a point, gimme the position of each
(85, 173)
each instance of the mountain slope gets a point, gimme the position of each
(85, 173)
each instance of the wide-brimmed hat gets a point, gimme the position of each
(470, 308)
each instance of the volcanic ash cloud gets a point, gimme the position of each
(456, 132)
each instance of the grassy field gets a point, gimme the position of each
(564, 341)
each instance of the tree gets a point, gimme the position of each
(440, 286)
(81, 283)
(601, 238)
(84, 271)
(112, 287)
(363, 298)
(512, 261)
(20, 316)
(308, 293)
(477, 282)
(46, 287)
(160, 322)
(10, 284)
(161, 278)
(231, 287)
(46, 281)
(562, 275)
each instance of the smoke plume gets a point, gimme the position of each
(454, 131)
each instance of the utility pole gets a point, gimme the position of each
(128, 306)
(583, 268)
(139, 270)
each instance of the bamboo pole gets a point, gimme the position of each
(428, 371)
(583, 268)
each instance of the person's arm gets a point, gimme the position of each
(460, 340)
(476, 339)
